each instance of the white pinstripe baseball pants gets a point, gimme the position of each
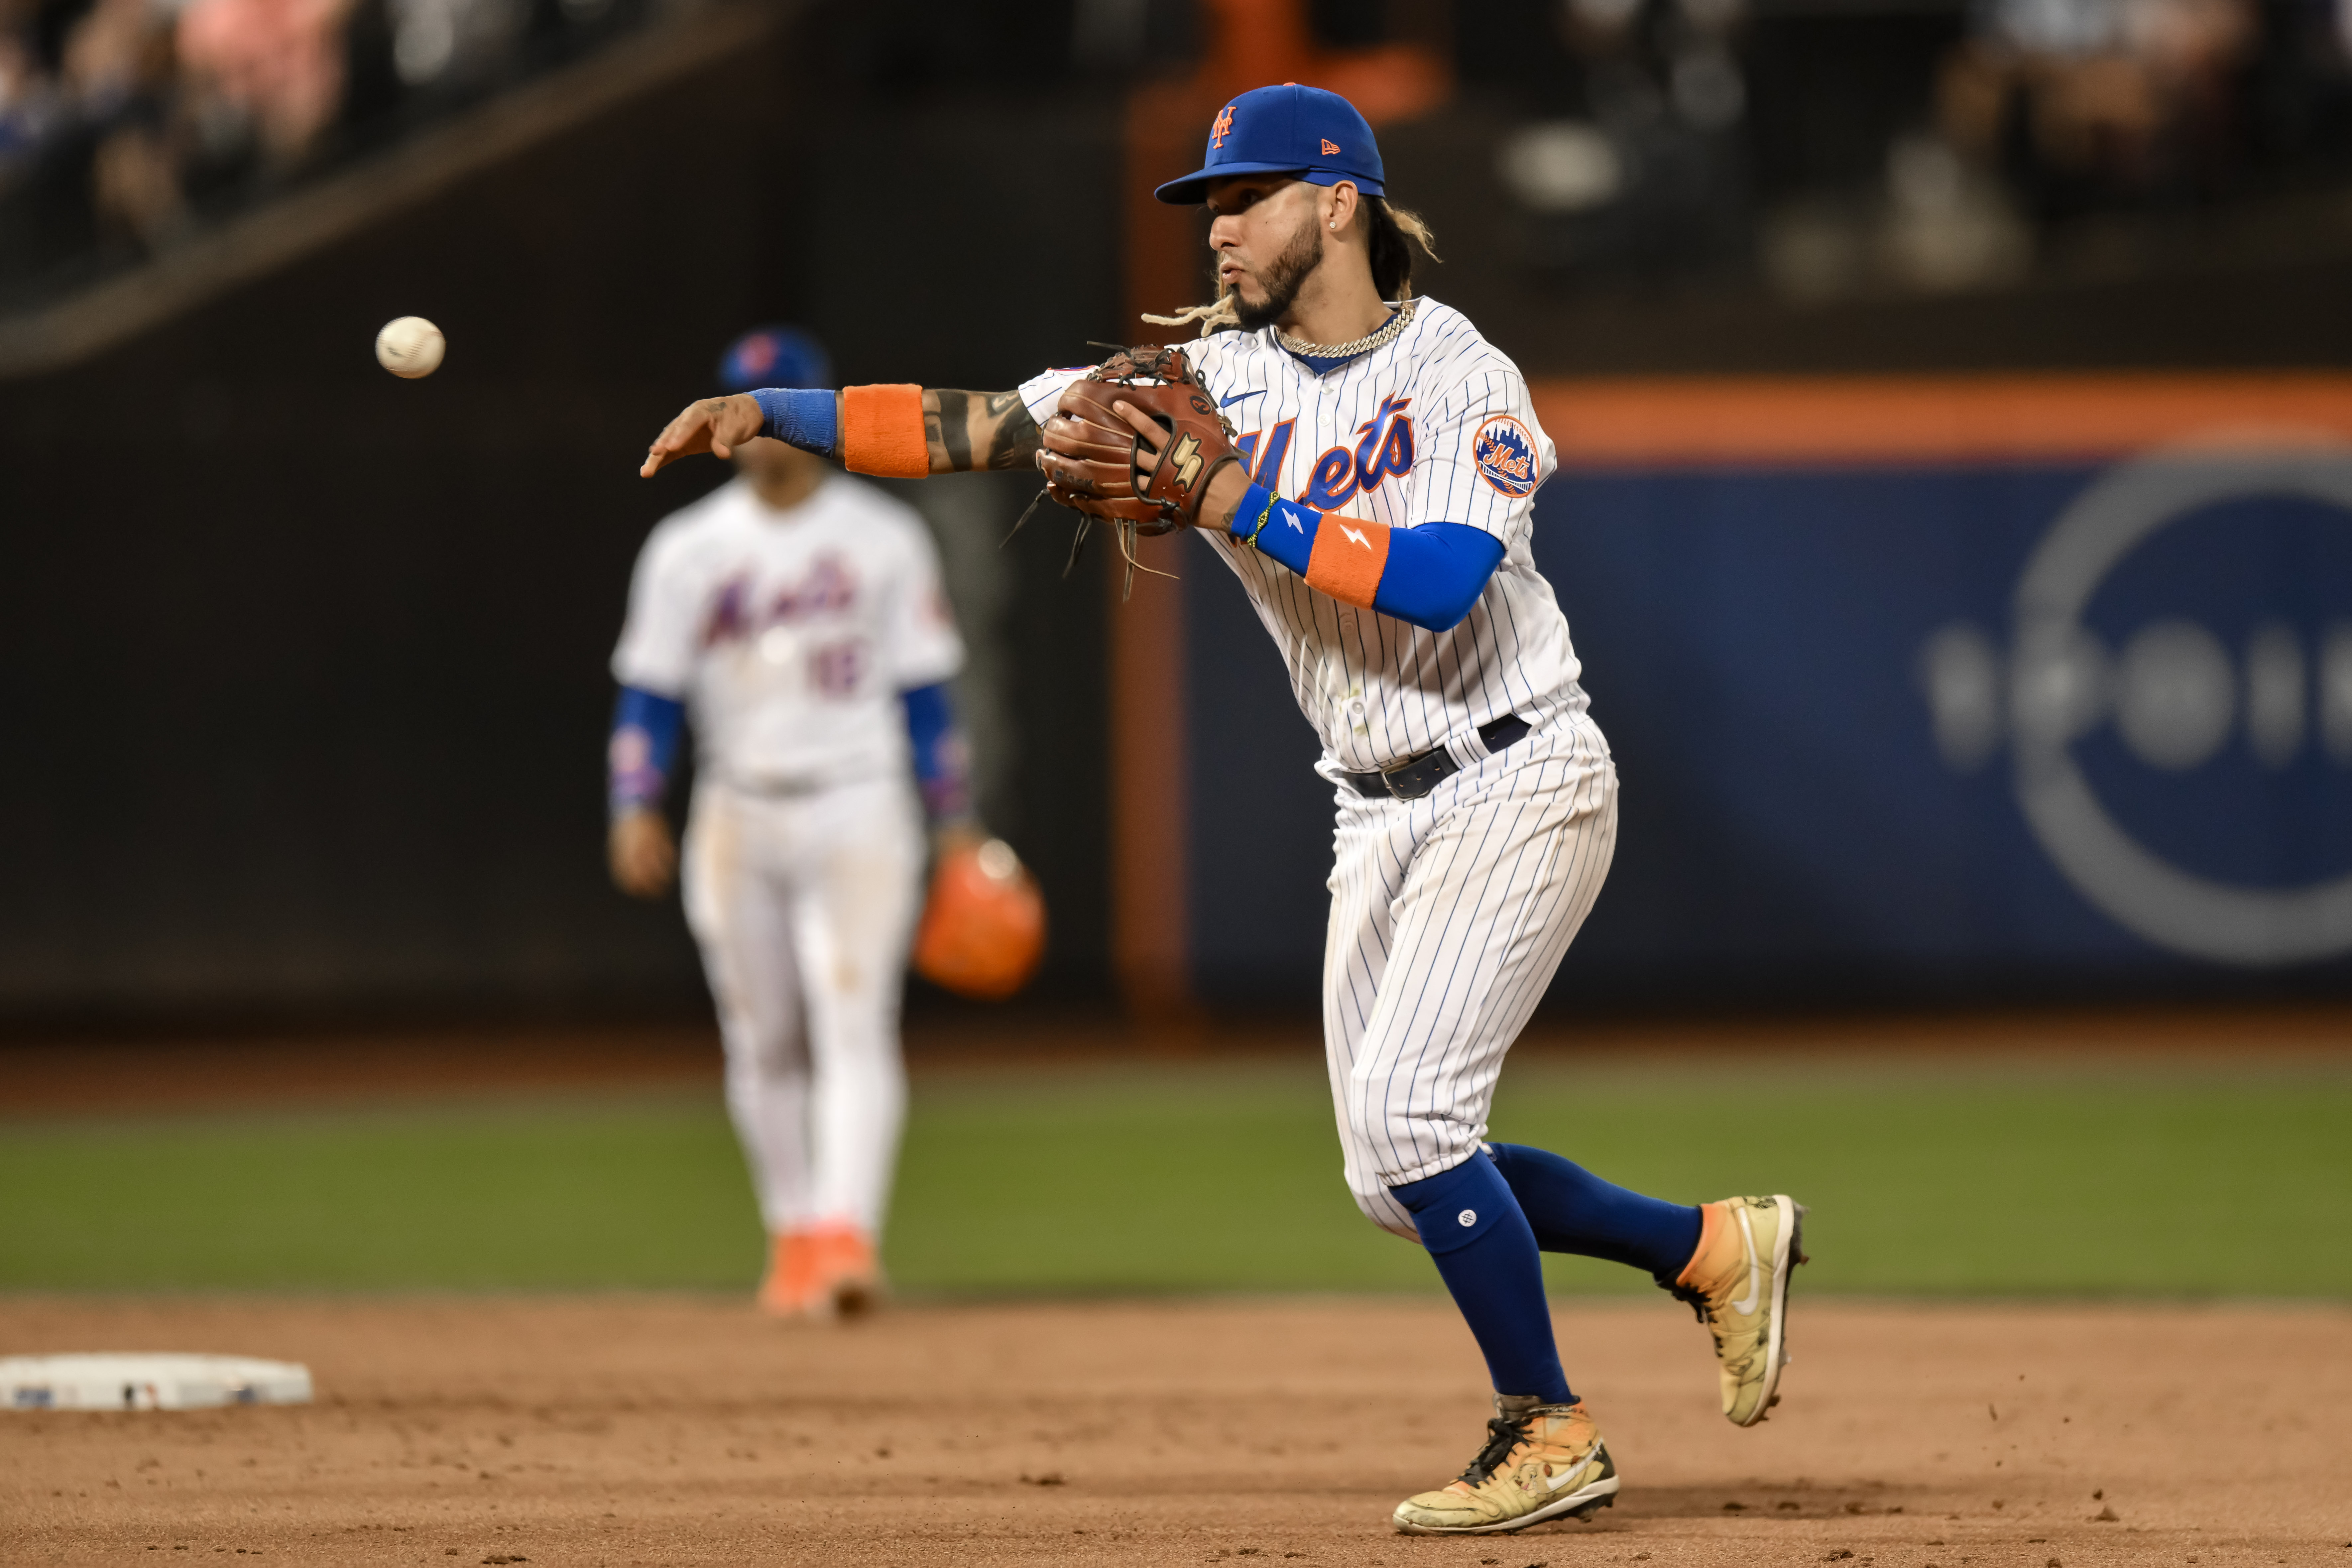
(1449, 915)
(804, 906)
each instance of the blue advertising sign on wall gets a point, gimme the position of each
(1929, 728)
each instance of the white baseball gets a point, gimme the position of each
(410, 346)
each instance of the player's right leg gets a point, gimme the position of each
(1448, 917)
(740, 912)
(858, 854)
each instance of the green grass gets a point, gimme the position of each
(2128, 1182)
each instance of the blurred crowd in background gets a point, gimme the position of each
(124, 124)
(1823, 146)
(1841, 145)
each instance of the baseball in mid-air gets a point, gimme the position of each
(410, 346)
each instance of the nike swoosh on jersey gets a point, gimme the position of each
(1236, 398)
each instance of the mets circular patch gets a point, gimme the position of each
(1506, 455)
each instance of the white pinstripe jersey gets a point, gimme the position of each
(1434, 427)
(790, 632)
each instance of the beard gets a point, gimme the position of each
(1283, 278)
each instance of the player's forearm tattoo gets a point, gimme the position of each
(972, 430)
(952, 425)
(1014, 443)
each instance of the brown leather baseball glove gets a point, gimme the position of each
(1101, 467)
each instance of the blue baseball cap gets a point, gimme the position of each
(1286, 130)
(775, 356)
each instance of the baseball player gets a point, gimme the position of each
(1377, 505)
(798, 615)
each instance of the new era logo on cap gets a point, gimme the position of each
(1330, 148)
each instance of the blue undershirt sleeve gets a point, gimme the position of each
(645, 729)
(1435, 572)
(942, 760)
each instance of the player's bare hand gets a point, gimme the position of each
(644, 855)
(1148, 436)
(713, 424)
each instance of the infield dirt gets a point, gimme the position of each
(629, 1430)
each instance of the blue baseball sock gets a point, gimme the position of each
(1486, 1255)
(1571, 1210)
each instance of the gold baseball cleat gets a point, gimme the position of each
(1737, 1282)
(1540, 1462)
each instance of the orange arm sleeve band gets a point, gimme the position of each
(1350, 555)
(882, 432)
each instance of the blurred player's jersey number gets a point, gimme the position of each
(837, 670)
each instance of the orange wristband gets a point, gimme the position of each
(1348, 557)
(882, 432)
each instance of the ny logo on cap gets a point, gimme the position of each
(1223, 125)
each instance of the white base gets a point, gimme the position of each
(116, 1381)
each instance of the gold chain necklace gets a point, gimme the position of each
(1387, 334)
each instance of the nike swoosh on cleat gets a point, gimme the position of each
(1561, 1480)
(1747, 1304)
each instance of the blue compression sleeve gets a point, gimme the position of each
(1486, 1255)
(800, 416)
(1435, 572)
(942, 760)
(646, 727)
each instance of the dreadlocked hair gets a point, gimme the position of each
(1391, 258)
(1218, 312)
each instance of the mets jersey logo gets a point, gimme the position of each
(829, 588)
(1384, 447)
(1223, 127)
(1506, 455)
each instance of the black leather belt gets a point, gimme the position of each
(1416, 776)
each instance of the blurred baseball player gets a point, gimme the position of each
(798, 615)
(1378, 510)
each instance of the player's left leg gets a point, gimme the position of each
(1729, 1260)
(861, 850)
